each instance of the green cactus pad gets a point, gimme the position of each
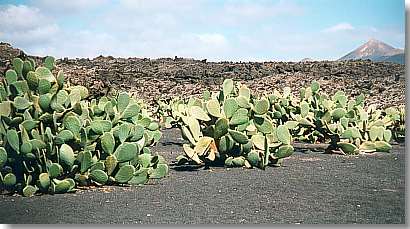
(124, 174)
(243, 102)
(245, 92)
(72, 123)
(99, 176)
(159, 172)
(338, 113)
(283, 151)
(11, 76)
(261, 106)
(98, 165)
(198, 113)
(83, 91)
(110, 164)
(186, 134)
(29, 124)
(263, 125)
(26, 148)
(37, 144)
(137, 132)
(367, 147)
(49, 62)
(227, 87)
(67, 156)
(44, 181)
(131, 111)
(315, 86)
(62, 186)
(213, 108)
(226, 144)
(101, 126)
(126, 152)
(19, 87)
(376, 132)
(145, 159)
(347, 148)
(193, 126)
(9, 180)
(55, 170)
(253, 158)
(108, 142)
(13, 140)
(45, 74)
(291, 124)
(283, 134)
(5, 108)
(156, 135)
(387, 134)
(140, 177)
(382, 146)
(32, 80)
(18, 65)
(239, 137)
(238, 162)
(29, 191)
(124, 132)
(44, 86)
(21, 103)
(87, 161)
(122, 101)
(230, 106)
(258, 141)
(153, 126)
(239, 117)
(65, 136)
(44, 101)
(304, 109)
(3, 157)
(221, 128)
(228, 162)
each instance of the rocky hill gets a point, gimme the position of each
(376, 50)
(383, 83)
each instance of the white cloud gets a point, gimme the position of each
(213, 39)
(20, 17)
(235, 13)
(68, 6)
(344, 26)
(26, 26)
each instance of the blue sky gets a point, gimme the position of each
(237, 30)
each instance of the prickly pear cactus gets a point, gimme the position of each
(341, 121)
(231, 127)
(52, 139)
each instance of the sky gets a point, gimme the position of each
(231, 30)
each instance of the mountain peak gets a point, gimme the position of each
(374, 50)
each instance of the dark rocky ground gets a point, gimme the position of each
(311, 188)
(382, 83)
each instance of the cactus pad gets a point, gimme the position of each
(126, 152)
(124, 174)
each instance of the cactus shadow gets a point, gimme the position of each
(192, 167)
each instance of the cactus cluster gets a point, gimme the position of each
(231, 127)
(234, 126)
(53, 139)
(345, 123)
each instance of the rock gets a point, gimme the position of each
(151, 79)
